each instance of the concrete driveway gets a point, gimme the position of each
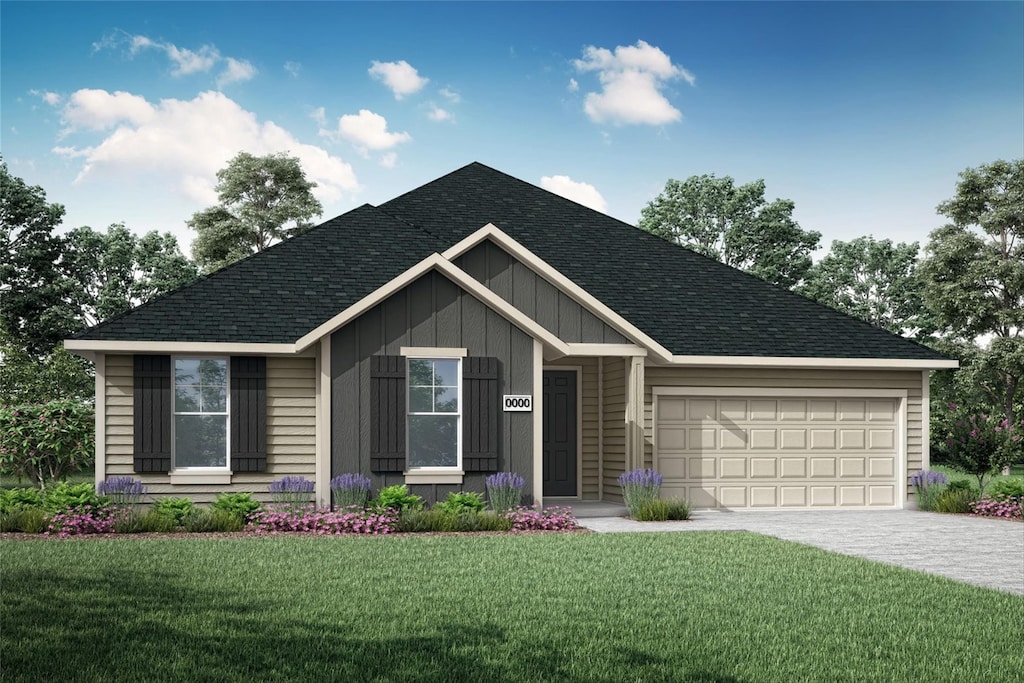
(983, 552)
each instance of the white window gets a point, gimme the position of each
(434, 413)
(200, 428)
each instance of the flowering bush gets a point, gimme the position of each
(639, 487)
(84, 520)
(350, 489)
(929, 486)
(294, 491)
(548, 519)
(1009, 508)
(505, 491)
(46, 442)
(979, 444)
(122, 490)
(286, 518)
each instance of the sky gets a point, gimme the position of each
(862, 114)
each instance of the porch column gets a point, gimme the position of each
(634, 412)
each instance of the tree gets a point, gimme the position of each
(974, 276)
(117, 270)
(735, 225)
(25, 379)
(262, 200)
(34, 292)
(874, 280)
(46, 442)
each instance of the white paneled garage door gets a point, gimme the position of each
(778, 451)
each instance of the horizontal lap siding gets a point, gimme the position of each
(614, 426)
(796, 379)
(291, 430)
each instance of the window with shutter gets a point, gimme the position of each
(481, 415)
(387, 413)
(248, 414)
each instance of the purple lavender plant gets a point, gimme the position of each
(350, 489)
(638, 487)
(505, 491)
(123, 491)
(292, 491)
(928, 485)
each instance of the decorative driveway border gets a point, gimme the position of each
(975, 550)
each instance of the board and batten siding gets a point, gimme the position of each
(791, 379)
(614, 426)
(521, 286)
(291, 430)
(588, 406)
(433, 311)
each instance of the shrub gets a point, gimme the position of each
(505, 491)
(549, 519)
(241, 505)
(64, 497)
(465, 501)
(122, 491)
(20, 499)
(174, 509)
(929, 486)
(350, 489)
(84, 520)
(1006, 508)
(294, 491)
(46, 442)
(397, 497)
(154, 521)
(639, 486)
(955, 500)
(31, 520)
(1002, 489)
(658, 510)
(349, 521)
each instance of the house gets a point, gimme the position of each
(480, 324)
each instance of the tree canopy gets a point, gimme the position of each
(262, 200)
(974, 274)
(735, 225)
(874, 280)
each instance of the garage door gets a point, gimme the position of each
(778, 451)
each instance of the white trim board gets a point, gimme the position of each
(178, 347)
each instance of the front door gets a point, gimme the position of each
(560, 433)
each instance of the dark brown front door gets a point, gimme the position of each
(560, 433)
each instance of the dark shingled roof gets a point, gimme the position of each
(689, 303)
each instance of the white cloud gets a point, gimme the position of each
(89, 109)
(320, 116)
(400, 77)
(294, 68)
(368, 131)
(184, 61)
(51, 98)
(388, 160)
(237, 70)
(450, 95)
(579, 192)
(436, 113)
(573, 85)
(187, 141)
(632, 79)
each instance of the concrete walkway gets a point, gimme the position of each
(975, 550)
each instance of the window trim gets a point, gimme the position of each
(176, 470)
(427, 354)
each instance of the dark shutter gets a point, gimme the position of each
(248, 414)
(480, 414)
(387, 413)
(152, 413)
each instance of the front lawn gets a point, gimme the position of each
(577, 607)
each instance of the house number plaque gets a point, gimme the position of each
(517, 403)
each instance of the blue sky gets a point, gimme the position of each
(861, 113)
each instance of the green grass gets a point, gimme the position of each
(634, 607)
